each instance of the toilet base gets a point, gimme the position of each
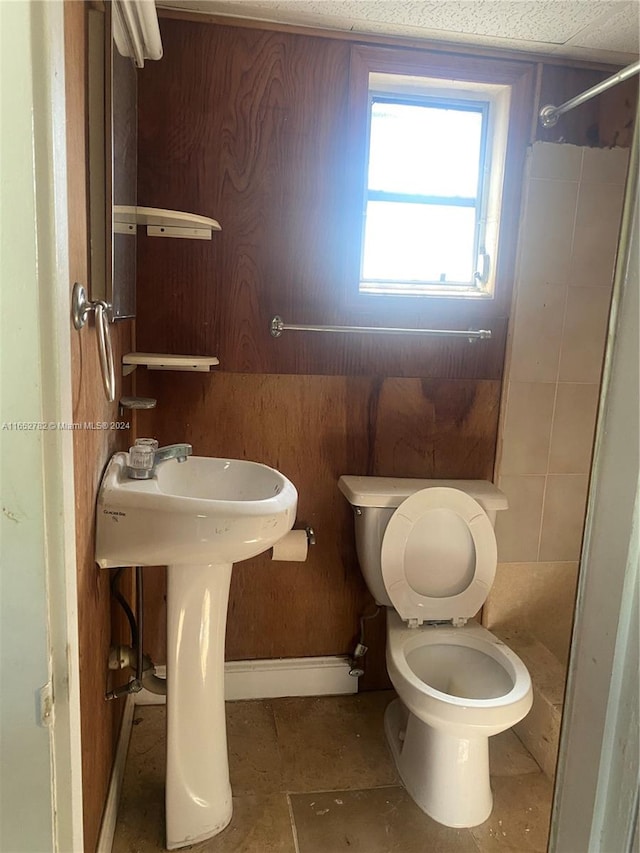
(446, 776)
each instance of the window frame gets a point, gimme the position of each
(408, 287)
(450, 309)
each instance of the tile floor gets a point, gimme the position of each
(314, 775)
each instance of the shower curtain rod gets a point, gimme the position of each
(550, 114)
(278, 326)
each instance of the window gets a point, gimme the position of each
(434, 172)
(424, 193)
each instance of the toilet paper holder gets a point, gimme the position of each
(294, 546)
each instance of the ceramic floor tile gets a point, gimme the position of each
(508, 756)
(260, 824)
(334, 742)
(383, 820)
(148, 738)
(519, 822)
(254, 756)
(322, 741)
(140, 825)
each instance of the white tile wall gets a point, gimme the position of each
(583, 338)
(597, 225)
(599, 165)
(565, 498)
(574, 423)
(549, 221)
(518, 528)
(556, 162)
(537, 332)
(568, 243)
(526, 432)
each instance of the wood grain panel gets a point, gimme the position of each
(100, 721)
(92, 448)
(602, 122)
(439, 428)
(313, 429)
(251, 126)
(256, 135)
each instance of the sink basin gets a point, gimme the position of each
(203, 510)
(196, 517)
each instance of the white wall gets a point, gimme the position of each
(26, 816)
(40, 799)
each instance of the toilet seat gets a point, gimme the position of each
(438, 556)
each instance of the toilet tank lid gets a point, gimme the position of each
(392, 491)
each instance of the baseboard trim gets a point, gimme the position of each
(277, 677)
(110, 814)
(270, 679)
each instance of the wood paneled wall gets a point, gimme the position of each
(100, 720)
(253, 127)
(603, 122)
(250, 126)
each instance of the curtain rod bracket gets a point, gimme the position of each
(548, 116)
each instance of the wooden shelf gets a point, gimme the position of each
(165, 361)
(163, 223)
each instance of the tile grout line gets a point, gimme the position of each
(292, 820)
(343, 790)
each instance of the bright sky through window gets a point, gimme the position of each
(424, 180)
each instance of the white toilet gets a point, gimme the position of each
(427, 551)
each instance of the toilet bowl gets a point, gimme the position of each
(428, 553)
(460, 686)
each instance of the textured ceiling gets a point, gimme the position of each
(605, 30)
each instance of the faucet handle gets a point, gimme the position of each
(147, 442)
(141, 459)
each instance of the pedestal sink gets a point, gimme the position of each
(197, 518)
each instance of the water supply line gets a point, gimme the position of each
(356, 661)
(120, 657)
(145, 670)
(133, 657)
(140, 623)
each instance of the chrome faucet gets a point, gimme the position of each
(172, 451)
(145, 456)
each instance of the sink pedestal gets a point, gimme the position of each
(198, 793)
(197, 519)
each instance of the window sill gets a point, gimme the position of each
(422, 292)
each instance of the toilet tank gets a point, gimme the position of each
(375, 499)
